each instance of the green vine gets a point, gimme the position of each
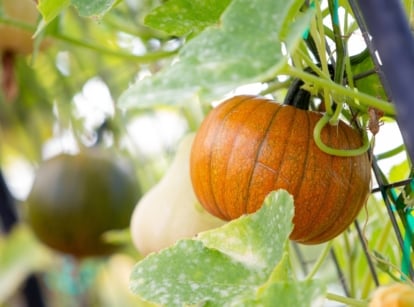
(150, 57)
(392, 152)
(317, 30)
(334, 90)
(334, 151)
(362, 98)
(346, 300)
(330, 296)
(322, 257)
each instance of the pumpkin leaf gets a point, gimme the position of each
(370, 84)
(247, 239)
(282, 288)
(199, 274)
(49, 9)
(287, 293)
(245, 48)
(399, 171)
(224, 265)
(96, 8)
(181, 17)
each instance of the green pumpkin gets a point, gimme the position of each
(75, 199)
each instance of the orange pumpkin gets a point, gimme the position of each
(249, 146)
(394, 295)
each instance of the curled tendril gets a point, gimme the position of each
(334, 151)
(334, 118)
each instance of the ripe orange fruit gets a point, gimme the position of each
(249, 146)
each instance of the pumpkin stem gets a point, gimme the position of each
(365, 100)
(299, 97)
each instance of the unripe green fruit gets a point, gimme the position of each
(75, 199)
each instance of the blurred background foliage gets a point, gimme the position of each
(70, 87)
(58, 98)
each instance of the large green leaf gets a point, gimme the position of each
(257, 241)
(245, 47)
(50, 9)
(370, 84)
(181, 17)
(288, 293)
(89, 8)
(190, 273)
(283, 289)
(243, 261)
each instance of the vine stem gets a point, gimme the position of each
(363, 99)
(319, 261)
(334, 151)
(340, 54)
(128, 56)
(391, 153)
(317, 31)
(346, 300)
(62, 37)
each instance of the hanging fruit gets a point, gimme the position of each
(170, 210)
(249, 146)
(76, 199)
(394, 295)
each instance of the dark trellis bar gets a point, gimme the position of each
(388, 37)
(367, 254)
(392, 185)
(340, 272)
(391, 39)
(389, 206)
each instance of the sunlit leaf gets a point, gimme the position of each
(247, 239)
(180, 17)
(299, 294)
(369, 84)
(245, 47)
(198, 274)
(89, 8)
(286, 290)
(399, 171)
(51, 8)
(220, 265)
